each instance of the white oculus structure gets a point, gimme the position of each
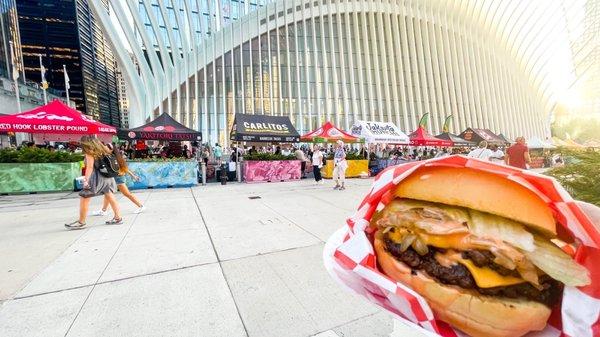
(492, 64)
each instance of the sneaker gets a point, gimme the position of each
(114, 221)
(75, 225)
(139, 210)
(337, 187)
(99, 213)
(342, 188)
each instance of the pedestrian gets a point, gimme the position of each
(218, 152)
(205, 155)
(121, 186)
(302, 158)
(497, 155)
(518, 154)
(317, 162)
(482, 152)
(339, 166)
(95, 183)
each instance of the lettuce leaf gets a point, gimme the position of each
(557, 264)
(494, 227)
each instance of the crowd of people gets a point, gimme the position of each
(316, 155)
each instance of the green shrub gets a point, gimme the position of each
(269, 156)
(581, 174)
(353, 155)
(37, 155)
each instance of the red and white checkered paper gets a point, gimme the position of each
(352, 262)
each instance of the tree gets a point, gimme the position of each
(581, 174)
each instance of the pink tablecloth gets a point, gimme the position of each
(277, 170)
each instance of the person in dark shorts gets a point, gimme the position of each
(95, 183)
(121, 186)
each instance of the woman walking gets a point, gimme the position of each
(317, 162)
(95, 183)
(120, 181)
(340, 166)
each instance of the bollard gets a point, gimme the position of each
(203, 169)
(238, 171)
(223, 174)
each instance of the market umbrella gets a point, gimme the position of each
(328, 133)
(478, 135)
(55, 121)
(536, 143)
(421, 137)
(164, 127)
(456, 140)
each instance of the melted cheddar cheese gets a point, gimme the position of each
(483, 276)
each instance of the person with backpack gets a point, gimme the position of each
(98, 179)
(121, 186)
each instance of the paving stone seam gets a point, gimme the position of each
(346, 323)
(237, 308)
(103, 271)
(158, 272)
(293, 222)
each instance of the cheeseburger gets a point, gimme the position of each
(478, 247)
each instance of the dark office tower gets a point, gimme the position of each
(9, 31)
(64, 32)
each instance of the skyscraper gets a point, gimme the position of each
(66, 33)
(9, 31)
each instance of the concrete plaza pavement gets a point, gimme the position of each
(205, 261)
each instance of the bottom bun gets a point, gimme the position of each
(474, 314)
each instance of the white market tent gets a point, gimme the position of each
(379, 132)
(536, 143)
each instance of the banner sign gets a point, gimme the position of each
(164, 127)
(263, 128)
(376, 132)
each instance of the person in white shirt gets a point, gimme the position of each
(317, 163)
(482, 152)
(497, 155)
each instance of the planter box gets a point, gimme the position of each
(354, 170)
(275, 170)
(163, 174)
(38, 177)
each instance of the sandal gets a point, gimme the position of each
(75, 225)
(115, 221)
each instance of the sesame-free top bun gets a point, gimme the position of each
(480, 191)
(467, 310)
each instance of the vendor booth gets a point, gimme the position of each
(164, 127)
(55, 121)
(267, 129)
(456, 140)
(158, 173)
(328, 133)
(539, 152)
(479, 135)
(421, 137)
(51, 122)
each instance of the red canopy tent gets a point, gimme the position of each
(328, 133)
(422, 138)
(55, 121)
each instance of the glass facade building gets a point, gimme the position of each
(66, 33)
(339, 60)
(9, 31)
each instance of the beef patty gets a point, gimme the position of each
(459, 275)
